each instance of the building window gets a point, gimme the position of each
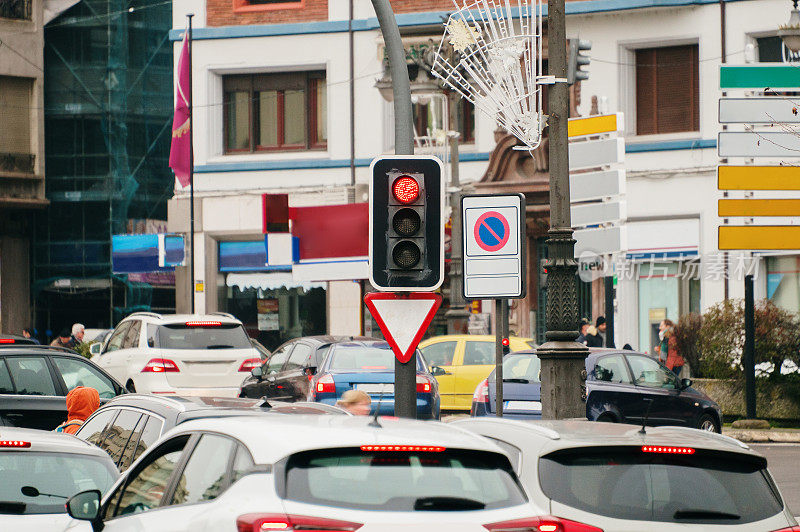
(770, 49)
(667, 90)
(266, 5)
(15, 108)
(16, 9)
(275, 112)
(430, 116)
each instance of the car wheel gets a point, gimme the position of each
(130, 386)
(707, 423)
(606, 418)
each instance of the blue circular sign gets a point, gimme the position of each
(491, 231)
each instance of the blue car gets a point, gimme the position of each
(621, 387)
(522, 397)
(369, 366)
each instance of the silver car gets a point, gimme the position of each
(39, 470)
(606, 477)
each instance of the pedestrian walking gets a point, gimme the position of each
(594, 338)
(64, 339)
(584, 328)
(82, 401)
(357, 402)
(601, 327)
(27, 332)
(667, 347)
(78, 331)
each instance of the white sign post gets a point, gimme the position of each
(493, 246)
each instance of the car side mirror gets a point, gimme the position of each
(85, 505)
(257, 372)
(436, 371)
(96, 349)
(685, 383)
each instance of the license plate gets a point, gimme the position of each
(376, 389)
(522, 405)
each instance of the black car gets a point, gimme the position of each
(13, 339)
(286, 375)
(35, 379)
(129, 424)
(627, 387)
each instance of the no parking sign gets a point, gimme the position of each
(493, 246)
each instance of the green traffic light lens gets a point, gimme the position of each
(406, 254)
(406, 222)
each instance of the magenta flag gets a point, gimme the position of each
(179, 150)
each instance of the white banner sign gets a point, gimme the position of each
(758, 111)
(758, 144)
(596, 153)
(597, 213)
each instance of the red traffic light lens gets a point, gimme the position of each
(505, 342)
(405, 189)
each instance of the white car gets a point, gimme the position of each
(39, 470)
(180, 354)
(322, 473)
(608, 477)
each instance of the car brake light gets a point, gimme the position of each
(325, 384)
(666, 450)
(541, 524)
(204, 324)
(423, 384)
(15, 443)
(403, 448)
(481, 394)
(7, 341)
(290, 523)
(250, 363)
(790, 529)
(160, 365)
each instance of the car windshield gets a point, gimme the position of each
(181, 336)
(403, 481)
(521, 367)
(627, 483)
(365, 358)
(56, 476)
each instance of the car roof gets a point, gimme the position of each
(15, 339)
(553, 435)
(167, 319)
(25, 349)
(594, 352)
(46, 441)
(477, 337)
(180, 405)
(271, 437)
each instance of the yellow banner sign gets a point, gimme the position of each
(758, 207)
(595, 125)
(759, 237)
(758, 178)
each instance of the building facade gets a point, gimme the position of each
(286, 101)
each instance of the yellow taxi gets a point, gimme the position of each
(466, 359)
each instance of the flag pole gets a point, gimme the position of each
(191, 166)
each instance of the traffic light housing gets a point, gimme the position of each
(577, 60)
(406, 224)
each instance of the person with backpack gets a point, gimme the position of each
(82, 401)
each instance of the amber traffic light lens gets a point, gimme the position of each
(405, 189)
(406, 222)
(406, 254)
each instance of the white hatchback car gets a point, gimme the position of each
(608, 477)
(323, 473)
(180, 354)
(39, 470)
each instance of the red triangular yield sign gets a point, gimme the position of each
(403, 318)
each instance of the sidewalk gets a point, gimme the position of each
(763, 436)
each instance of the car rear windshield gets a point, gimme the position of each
(626, 483)
(56, 476)
(364, 358)
(523, 367)
(180, 336)
(402, 481)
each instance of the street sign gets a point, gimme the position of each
(585, 214)
(596, 153)
(758, 111)
(758, 144)
(759, 76)
(403, 318)
(758, 207)
(600, 240)
(758, 177)
(759, 237)
(596, 185)
(595, 125)
(493, 246)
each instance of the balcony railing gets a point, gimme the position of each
(17, 9)
(18, 163)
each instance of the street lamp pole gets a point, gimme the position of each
(562, 358)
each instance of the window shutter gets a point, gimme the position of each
(646, 92)
(15, 107)
(667, 90)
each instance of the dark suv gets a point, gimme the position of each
(286, 374)
(34, 381)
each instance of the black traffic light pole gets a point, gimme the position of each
(405, 374)
(749, 348)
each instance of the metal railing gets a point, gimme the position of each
(17, 9)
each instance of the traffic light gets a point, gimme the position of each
(577, 60)
(406, 225)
